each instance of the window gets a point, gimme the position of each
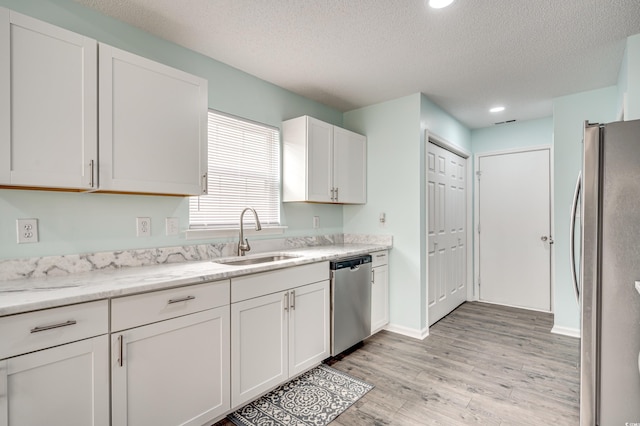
(244, 171)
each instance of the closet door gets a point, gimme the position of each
(447, 233)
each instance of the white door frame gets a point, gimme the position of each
(476, 213)
(467, 156)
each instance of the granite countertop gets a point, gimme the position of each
(29, 294)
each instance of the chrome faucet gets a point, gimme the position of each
(243, 243)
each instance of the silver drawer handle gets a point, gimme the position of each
(52, 326)
(380, 255)
(182, 299)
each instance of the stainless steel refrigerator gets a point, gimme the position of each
(609, 269)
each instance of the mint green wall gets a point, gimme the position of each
(393, 187)
(623, 82)
(631, 67)
(521, 134)
(396, 186)
(441, 124)
(76, 223)
(569, 114)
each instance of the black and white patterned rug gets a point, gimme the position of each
(314, 398)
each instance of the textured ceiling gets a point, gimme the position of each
(351, 53)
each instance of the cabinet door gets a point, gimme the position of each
(309, 326)
(173, 372)
(48, 105)
(379, 298)
(66, 385)
(153, 126)
(259, 345)
(319, 160)
(350, 166)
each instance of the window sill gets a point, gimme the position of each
(206, 233)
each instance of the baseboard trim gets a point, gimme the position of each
(566, 331)
(409, 332)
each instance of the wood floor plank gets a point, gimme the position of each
(482, 364)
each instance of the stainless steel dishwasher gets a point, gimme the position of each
(350, 302)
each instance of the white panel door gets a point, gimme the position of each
(446, 204)
(48, 105)
(514, 222)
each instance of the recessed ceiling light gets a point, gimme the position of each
(497, 109)
(439, 4)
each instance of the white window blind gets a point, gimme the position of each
(244, 171)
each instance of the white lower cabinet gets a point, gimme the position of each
(379, 291)
(173, 371)
(66, 385)
(278, 335)
(55, 372)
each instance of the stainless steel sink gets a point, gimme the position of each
(256, 259)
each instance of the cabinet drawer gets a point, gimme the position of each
(37, 330)
(255, 285)
(379, 258)
(132, 311)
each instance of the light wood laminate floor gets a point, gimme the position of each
(481, 364)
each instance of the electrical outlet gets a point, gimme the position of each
(27, 230)
(143, 226)
(316, 222)
(172, 225)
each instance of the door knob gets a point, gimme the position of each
(544, 238)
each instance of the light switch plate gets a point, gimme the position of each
(172, 225)
(27, 230)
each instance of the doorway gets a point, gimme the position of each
(446, 231)
(513, 217)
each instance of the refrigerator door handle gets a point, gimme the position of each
(572, 234)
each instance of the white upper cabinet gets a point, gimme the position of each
(323, 163)
(349, 166)
(153, 126)
(48, 105)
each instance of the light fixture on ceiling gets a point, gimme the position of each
(439, 4)
(497, 109)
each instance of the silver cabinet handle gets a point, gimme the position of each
(205, 184)
(52, 326)
(293, 299)
(182, 299)
(91, 165)
(337, 197)
(572, 234)
(333, 194)
(380, 255)
(543, 238)
(286, 301)
(373, 276)
(120, 350)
